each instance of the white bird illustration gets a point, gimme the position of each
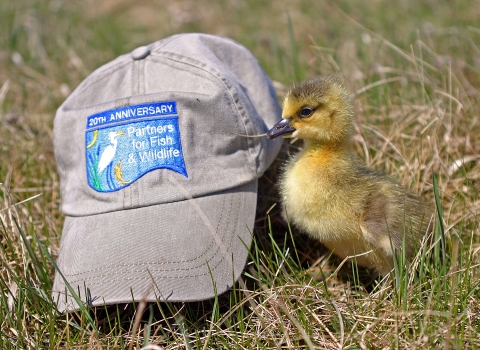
(109, 152)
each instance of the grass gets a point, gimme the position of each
(413, 68)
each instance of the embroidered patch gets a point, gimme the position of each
(124, 144)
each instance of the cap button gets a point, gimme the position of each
(140, 52)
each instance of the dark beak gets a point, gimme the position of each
(281, 128)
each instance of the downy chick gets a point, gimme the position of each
(327, 194)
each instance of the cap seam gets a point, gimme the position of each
(230, 89)
(212, 253)
(102, 106)
(237, 185)
(161, 43)
(175, 262)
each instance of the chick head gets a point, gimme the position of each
(318, 110)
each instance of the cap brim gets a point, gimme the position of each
(189, 250)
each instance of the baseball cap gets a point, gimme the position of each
(158, 180)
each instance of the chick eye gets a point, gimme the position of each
(306, 112)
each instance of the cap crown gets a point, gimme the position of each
(177, 110)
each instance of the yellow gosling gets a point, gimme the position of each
(327, 194)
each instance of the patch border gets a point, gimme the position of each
(132, 120)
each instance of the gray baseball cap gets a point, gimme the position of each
(158, 183)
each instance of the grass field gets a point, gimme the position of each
(414, 69)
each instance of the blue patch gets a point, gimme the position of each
(124, 144)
